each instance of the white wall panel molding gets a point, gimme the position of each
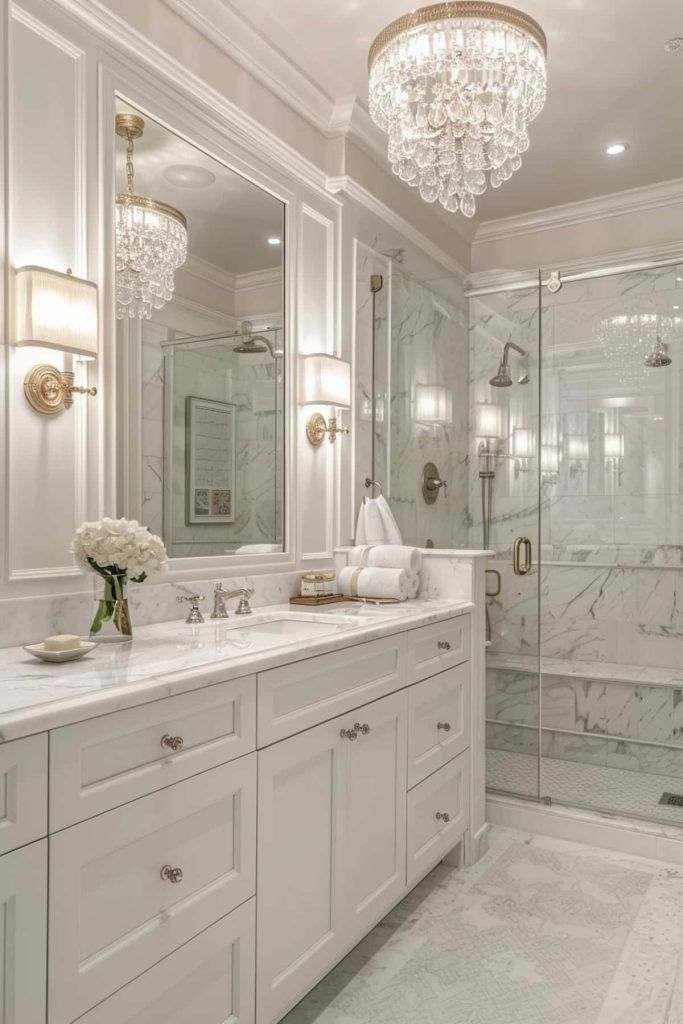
(346, 185)
(616, 204)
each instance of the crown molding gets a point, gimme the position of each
(125, 41)
(349, 187)
(195, 266)
(619, 261)
(256, 279)
(616, 204)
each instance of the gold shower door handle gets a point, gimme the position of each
(521, 556)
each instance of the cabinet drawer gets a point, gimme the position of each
(113, 915)
(432, 649)
(295, 697)
(107, 761)
(438, 721)
(210, 980)
(429, 836)
(23, 791)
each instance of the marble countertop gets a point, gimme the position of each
(173, 657)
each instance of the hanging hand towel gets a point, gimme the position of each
(355, 581)
(376, 523)
(387, 556)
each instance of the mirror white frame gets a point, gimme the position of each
(176, 115)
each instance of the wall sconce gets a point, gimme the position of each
(614, 453)
(59, 311)
(488, 421)
(433, 404)
(324, 380)
(523, 448)
(550, 460)
(578, 451)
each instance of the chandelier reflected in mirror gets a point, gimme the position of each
(455, 86)
(151, 240)
(636, 342)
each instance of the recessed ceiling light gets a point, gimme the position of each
(189, 177)
(274, 240)
(616, 149)
(673, 45)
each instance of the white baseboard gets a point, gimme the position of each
(639, 838)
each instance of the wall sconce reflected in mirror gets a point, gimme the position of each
(614, 453)
(324, 380)
(433, 405)
(488, 421)
(58, 311)
(578, 452)
(550, 461)
(523, 448)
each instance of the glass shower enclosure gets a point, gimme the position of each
(575, 483)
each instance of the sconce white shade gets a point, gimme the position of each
(433, 404)
(550, 458)
(54, 310)
(578, 446)
(488, 420)
(614, 446)
(523, 443)
(324, 380)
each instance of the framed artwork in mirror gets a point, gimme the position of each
(210, 461)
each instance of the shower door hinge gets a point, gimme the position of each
(554, 282)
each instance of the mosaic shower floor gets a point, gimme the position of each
(616, 790)
(540, 931)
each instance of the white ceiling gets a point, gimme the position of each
(609, 79)
(228, 222)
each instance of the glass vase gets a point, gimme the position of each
(111, 623)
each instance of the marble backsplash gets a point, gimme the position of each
(30, 619)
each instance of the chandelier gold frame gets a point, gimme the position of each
(131, 127)
(454, 11)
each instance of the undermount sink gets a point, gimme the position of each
(291, 628)
(273, 630)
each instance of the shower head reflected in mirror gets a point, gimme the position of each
(503, 378)
(659, 355)
(254, 344)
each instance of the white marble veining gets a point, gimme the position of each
(540, 931)
(172, 657)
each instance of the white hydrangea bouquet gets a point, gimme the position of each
(118, 550)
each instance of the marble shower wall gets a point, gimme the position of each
(611, 575)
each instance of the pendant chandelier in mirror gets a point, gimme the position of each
(455, 86)
(151, 240)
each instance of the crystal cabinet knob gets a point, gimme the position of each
(348, 734)
(446, 726)
(365, 729)
(169, 874)
(174, 743)
(443, 816)
(443, 645)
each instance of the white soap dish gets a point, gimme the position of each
(38, 651)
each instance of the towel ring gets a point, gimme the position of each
(373, 483)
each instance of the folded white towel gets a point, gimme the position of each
(354, 581)
(387, 556)
(376, 523)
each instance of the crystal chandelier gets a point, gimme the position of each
(151, 240)
(455, 86)
(635, 342)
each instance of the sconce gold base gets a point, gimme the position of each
(49, 390)
(317, 427)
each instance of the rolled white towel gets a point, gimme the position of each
(387, 556)
(355, 581)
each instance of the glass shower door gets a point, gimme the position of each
(505, 452)
(612, 572)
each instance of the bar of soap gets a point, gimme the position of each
(62, 642)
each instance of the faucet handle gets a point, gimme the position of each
(194, 615)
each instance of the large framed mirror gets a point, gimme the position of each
(200, 330)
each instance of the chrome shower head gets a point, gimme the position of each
(502, 379)
(659, 355)
(253, 344)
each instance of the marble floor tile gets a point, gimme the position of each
(540, 931)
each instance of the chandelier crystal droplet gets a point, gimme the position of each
(455, 86)
(151, 240)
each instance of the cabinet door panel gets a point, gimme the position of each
(23, 934)
(438, 721)
(23, 791)
(438, 812)
(210, 980)
(113, 915)
(299, 931)
(374, 857)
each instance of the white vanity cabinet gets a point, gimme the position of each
(209, 856)
(331, 843)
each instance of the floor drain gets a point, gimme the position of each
(672, 799)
